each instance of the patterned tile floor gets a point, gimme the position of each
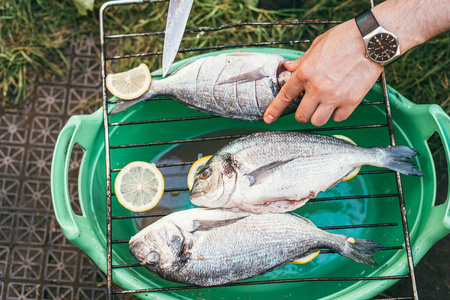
(36, 260)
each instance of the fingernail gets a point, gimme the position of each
(268, 119)
(289, 62)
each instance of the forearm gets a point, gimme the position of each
(413, 21)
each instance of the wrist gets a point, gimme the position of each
(413, 21)
(381, 45)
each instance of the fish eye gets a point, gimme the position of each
(205, 174)
(152, 257)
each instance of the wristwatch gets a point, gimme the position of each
(381, 45)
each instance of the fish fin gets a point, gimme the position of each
(205, 225)
(302, 218)
(128, 103)
(246, 77)
(361, 250)
(256, 175)
(123, 106)
(399, 159)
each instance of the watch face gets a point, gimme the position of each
(382, 47)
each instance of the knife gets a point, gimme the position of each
(176, 23)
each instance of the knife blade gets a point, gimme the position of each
(176, 23)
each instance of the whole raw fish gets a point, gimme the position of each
(281, 171)
(210, 247)
(237, 85)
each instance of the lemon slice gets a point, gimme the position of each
(306, 259)
(130, 84)
(355, 171)
(139, 186)
(195, 169)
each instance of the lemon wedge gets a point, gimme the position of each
(306, 259)
(130, 84)
(355, 171)
(195, 169)
(139, 186)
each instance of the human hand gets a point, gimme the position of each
(334, 75)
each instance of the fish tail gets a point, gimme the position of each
(399, 158)
(360, 250)
(128, 103)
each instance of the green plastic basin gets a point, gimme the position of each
(368, 199)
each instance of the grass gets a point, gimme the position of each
(33, 31)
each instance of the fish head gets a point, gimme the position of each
(157, 247)
(215, 183)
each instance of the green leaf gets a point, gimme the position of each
(83, 6)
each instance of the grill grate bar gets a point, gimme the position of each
(162, 120)
(220, 47)
(194, 118)
(353, 197)
(240, 135)
(400, 191)
(226, 26)
(321, 252)
(267, 282)
(371, 196)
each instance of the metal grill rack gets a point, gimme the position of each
(109, 145)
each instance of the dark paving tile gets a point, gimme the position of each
(9, 193)
(57, 291)
(39, 163)
(11, 160)
(7, 226)
(90, 273)
(31, 229)
(36, 196)
(14, 128)
(26, 263)
(50, 99)
(19, 290)
(88, 293)
(78, 96)
(45, 130)
(88, 45)
(4, 258)
(56, 235)
(87, 72)
(61, 265)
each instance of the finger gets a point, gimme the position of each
(306, 108)
(322, 114)
(291, 90)
(342, 113)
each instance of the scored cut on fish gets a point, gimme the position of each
(238, 85)
(209, 247)
(278, 171)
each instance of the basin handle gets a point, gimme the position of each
(75, 131)
(437, 224)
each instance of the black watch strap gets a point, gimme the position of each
(366, 22)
